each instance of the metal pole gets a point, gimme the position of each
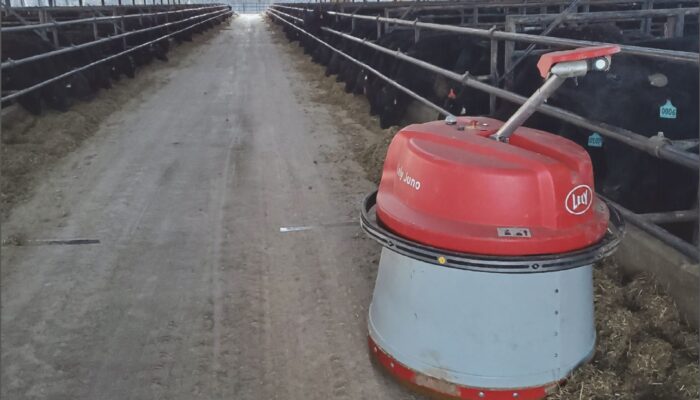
(508, 53)
(646, 23)
(63, 50)
(671, 216)
(606, 15)
(54, 33)
(494, 74)
(529, 107)
(37, 27)
(680, 25)
(558, 20)
(668, 55)
(656, 231)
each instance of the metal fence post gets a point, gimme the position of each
(494, 74)
(508, 50)
(379, 28)
(646, 22)
(124, 30)
(680, 25)
(387, 28)
(54, 33)
(416, 32)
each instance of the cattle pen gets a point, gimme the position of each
(185, 185)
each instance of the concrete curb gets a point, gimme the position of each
(639, 252)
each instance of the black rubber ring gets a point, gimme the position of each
(496, 264)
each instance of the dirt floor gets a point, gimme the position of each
(185, 287)
(33, 144)
(644, 350)
(184, 284)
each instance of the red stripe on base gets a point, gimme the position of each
(451, 390)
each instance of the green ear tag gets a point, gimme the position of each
(595, 140)
(668, 111)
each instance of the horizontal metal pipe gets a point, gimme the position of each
(100, 61)
(668, 55)
(14, 63)
(385, 78)
(504, 4)
(660, 150)
(22, 28)
(90, 7)
(453, 5)
(671, 216)
(607, 15)
(660, 233)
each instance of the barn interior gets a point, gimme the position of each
(185, 187)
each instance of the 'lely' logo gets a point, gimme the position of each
(579, 199)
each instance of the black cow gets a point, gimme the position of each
(645, 96)
(457, 53)
(57, 95)
(146, 54)
(313, 21)
(98, 76)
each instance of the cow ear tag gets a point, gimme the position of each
(595, 140)
(668, 110)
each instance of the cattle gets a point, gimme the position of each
(313, 21)
(98, 76)
(146, 54)
(122, 65)
(453, 52)
(56, 95)
(345, 69)
(82, 85)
